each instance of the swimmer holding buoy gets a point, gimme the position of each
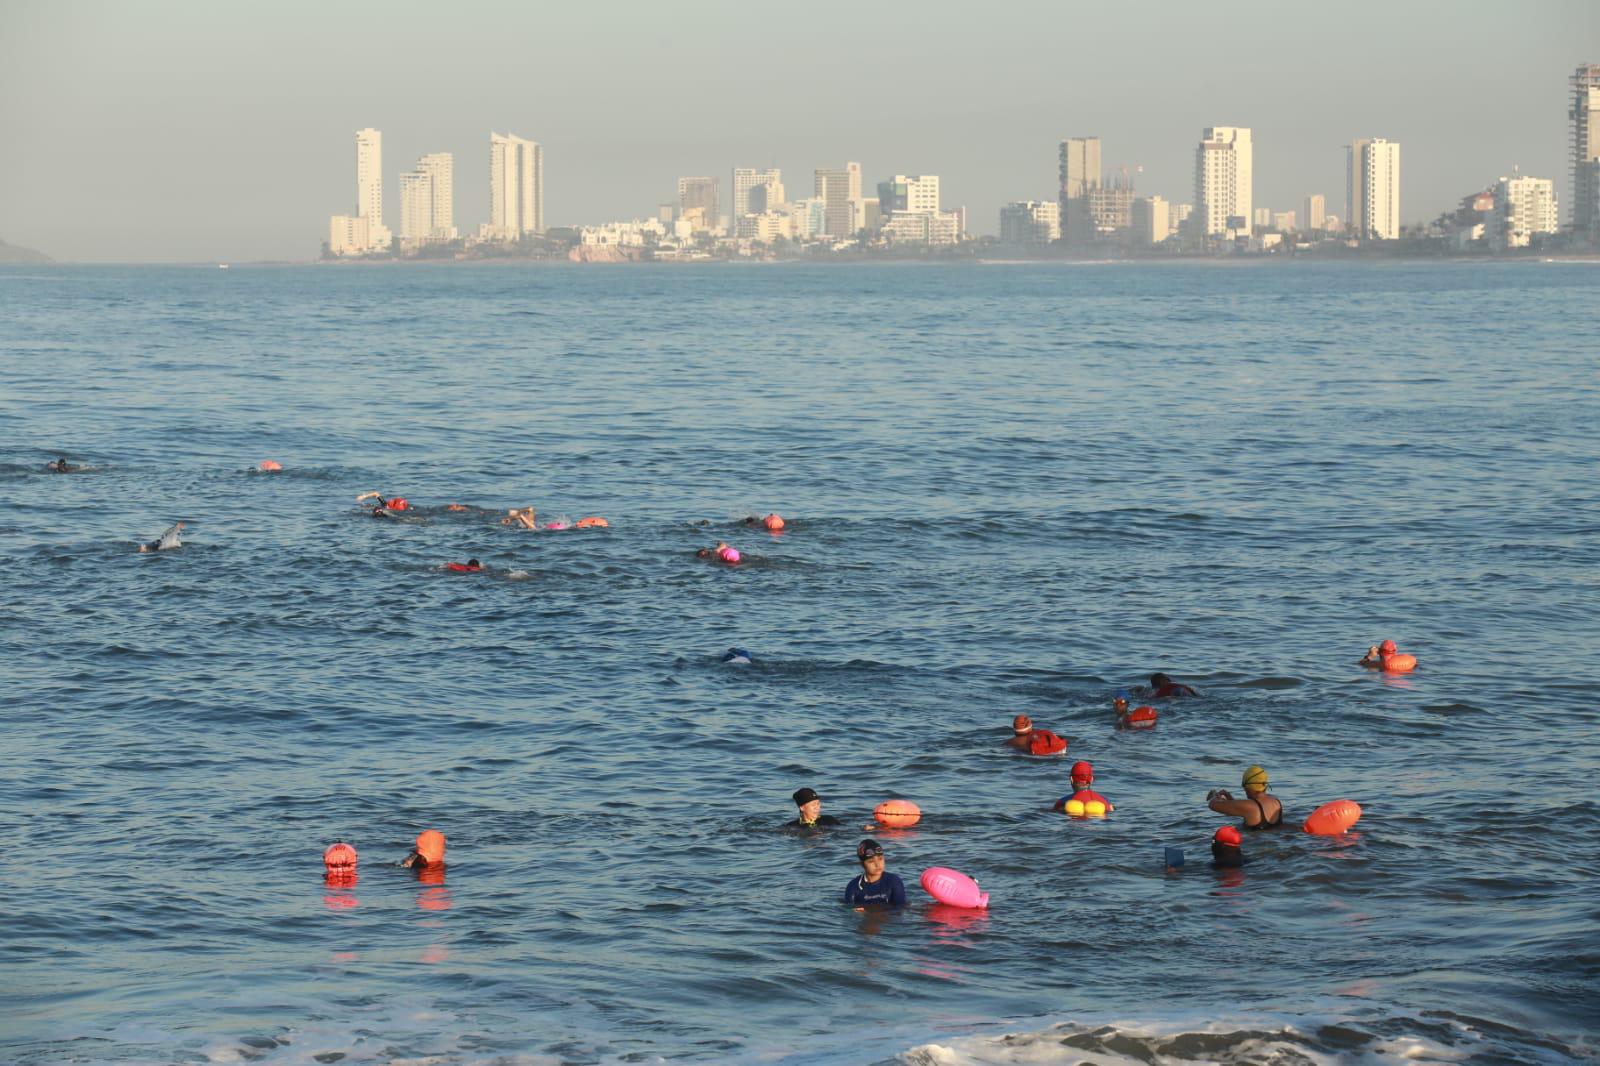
(1137, 718)
(723, 553)
(1258, 809)
(471, 566)
(1084, 802)
(1024, 737)
(1388, 658)
(428, 854)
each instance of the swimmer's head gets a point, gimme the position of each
(339, 856)
(1158, 680)
(1388, 647)
(1225, 847)
(474, 564)
(430, 846)
(806, 795)
(1022, 725)
(705, 553)
(868, 849)
(1254, 779)
(1082, 773)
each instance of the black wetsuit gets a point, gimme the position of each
(1264, 823)
(824, 821)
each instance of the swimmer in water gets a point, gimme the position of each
(1082, 778)
(811, 816)
(385, 508)
(1021, 733)
(1163, 687)
(875, 887)
(429, 852)
(1258, 809)
(471, 566)
(61, 466)
(1225, 848)
(737, 657)
(522, 517)
(1376, 654)
(166, 542)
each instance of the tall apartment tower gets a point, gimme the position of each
(1585, 116)
(746, 179)
(1223, 183)
(516, 186)
(1080, 177)
(919, 192)
(416, 205)
(1316, 213)
(441, 170)
(840, 192)
(700, 194)
(1372, 190)
(369, 185)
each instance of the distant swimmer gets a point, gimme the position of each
(429, 852)
(1024, 737)
(386, 507)
(269, 466)
(772, 523)
(471, 566)
(811, 816)
(737, 657)
(1225, 848)
(1021, 733)
(1083, 800)
(1134, 718)
(875, 887)
(1163, 687)
(522, 517)
(722, 553)
(61, 466)
(166, 542)
(1258, 809)
(1388, 657)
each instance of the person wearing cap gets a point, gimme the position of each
(1258, 809)
(1373, 660)
(1225, 848)
(1163, 687)
(875, 886)
(429, 852)
(1021, 733)
(811, 816)
(1119, 703)
(61, 466)
(1082, 778)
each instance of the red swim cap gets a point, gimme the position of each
(1387, 648)
(1021, 724)
(1082, 771)
(338, 855)
(1228, 835)
(430, 845)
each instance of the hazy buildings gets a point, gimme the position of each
(1080, 174)
(699, 200)
(1223, 166)
(1372, 190)
(1033, 223)
(347, 235)
(746, 180)
(1151, 221)
(909, 193)
(1262, 218)
(1585, 117)
(1523, 209)
(364, 231)
(1283, 221)
(909, 208)
(1316, 212)
(427, 210)
(516, 188)
(839, 190)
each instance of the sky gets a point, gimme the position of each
(189, 131)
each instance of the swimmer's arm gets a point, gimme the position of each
(1225, 804)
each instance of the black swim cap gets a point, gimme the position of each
(805, 796)
(868, 848)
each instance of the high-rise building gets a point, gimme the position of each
(1262, 218)
(1080, 175)
(1033, 223)
(1316, 215)
(746, 179)
(369, 186)
(837, 188)
(1585, 116)
(1151, 220)
(416, 205)
(516, 187)
(700, 194)
(1283, 221)
(1524, 208)
(347, 235)
(1372, 190)
(441, 170)
(1223, 182)
(918, 192)
(765, 196)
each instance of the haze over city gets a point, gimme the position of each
(186, 131)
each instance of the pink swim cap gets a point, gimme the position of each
(1388, 647)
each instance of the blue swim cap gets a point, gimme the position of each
(1121, 694)
(734, 653)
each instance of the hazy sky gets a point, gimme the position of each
(225, 130)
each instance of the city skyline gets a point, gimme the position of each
(991, 132)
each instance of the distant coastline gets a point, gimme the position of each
(11, 253)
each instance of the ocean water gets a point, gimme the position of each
(1010, 489)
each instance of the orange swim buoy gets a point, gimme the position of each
(897, 813)
(773, 522)
(1400, 663)
(1142, 718)
(339, 856)
(1331, 819)
(592, 522)
(399, 503)
(1044, 742)
(270, 464)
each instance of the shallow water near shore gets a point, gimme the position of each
(1010, 489)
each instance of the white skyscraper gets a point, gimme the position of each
(441, 170)
(1372, 190)
(746, 179)
(1030, 223)
(369, 186)
(1223, 183)
(1524, 208)
(516, 187)
(839, 190)
(416, 205)
(1316, 211)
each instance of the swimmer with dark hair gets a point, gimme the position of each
(471, 566)
(811, 816)
(1257, 809)
(385, 508)
(61, 466)
(876, 887)
(1163, 687)
(166, 542)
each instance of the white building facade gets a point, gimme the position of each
(1031, 223)
(1524, 208)
(516, 187)
(1224, 182)
(1372, 190)
(745, 180)
(837, 188)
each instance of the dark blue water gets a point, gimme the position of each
(1009, 489)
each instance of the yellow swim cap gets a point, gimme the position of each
(1254, 776)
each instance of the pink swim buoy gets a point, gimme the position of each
(953, 887)
(728, 555)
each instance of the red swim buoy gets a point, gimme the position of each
(462, 568)
(1142, 718)
(897, 814)
(1331, 819)
(1399, 664)
(399, 503)
(1044, 742)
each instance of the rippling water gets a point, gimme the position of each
(1010, 489)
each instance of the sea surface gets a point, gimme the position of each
(1009, 489)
